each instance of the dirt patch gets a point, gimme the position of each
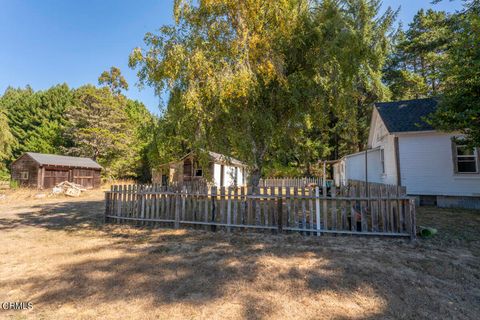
(58, 254)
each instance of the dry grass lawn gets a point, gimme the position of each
(57, 253)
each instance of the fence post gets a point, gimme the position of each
(183, 196)
(317, 209)
(280, 210)
(107, 206)
(413, 231)
(178, 197)
(229, 208)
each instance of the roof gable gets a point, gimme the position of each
(219, 158)
(407, 115)
(56, 160)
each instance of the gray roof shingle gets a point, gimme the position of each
(405, 116)
(56, 160)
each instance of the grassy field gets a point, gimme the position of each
(57, 254)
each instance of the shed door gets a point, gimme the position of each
(54, 177)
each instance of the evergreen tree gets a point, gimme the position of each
(460, 107)
(37, 118)
(414, 68)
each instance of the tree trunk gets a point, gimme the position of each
(255, 176)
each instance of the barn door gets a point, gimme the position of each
(54, 177)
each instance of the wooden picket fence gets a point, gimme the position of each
(309, 210)
(291, 182)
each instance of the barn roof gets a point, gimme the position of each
(56, 160)
(407, 115)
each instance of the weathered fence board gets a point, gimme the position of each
(380, 211)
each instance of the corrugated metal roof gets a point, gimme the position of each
(56, 160)
(407, 115)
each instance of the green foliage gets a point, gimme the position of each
(110, 129)
(100, 123)
(460, 107)
(414, 67)
(256, 80)
(114, 80)
(6, 138)
(36, 119)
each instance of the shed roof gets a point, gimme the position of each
(222, 158)
(407, 115)
(216, 157)
(56, 160)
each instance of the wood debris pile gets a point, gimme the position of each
(69, 189)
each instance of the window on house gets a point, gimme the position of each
(466, 159)
(382, 159)
(199, 172)
(23, 175)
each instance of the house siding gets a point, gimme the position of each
(229, 175)
(382, 139)
(427, 166)
(355, 166)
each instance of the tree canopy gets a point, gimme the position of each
(96, 122)
(255, 81)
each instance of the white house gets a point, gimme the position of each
(404, 150)
(220, 171)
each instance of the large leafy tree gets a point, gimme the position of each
(460, 107)
(114, 80)
(254, 78)
(106, 126)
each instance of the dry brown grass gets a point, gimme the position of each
(58, 254)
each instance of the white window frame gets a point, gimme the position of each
(458, 157)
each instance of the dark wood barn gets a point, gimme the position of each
(47, 170)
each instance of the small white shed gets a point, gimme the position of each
(221, 171)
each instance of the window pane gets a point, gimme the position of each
(465, 151)
(467, 166)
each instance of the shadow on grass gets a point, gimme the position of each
(268, 276)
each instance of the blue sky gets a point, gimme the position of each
(45, 42)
